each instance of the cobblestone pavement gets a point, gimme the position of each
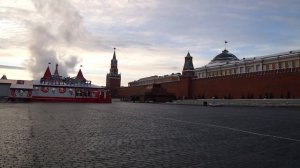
(147, 135)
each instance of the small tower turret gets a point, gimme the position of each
(47, 75)
(188, 68)
(56, 74)
(4, 77)
(80, 76)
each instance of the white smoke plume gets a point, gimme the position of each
(60, 26)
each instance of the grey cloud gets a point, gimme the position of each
(12, 67)
(71, 62)
(62, 25)
(175, 26)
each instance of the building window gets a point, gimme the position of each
(283, 65)
(293, 63)
(264, 67)
(242, 70)
(257, 67)
(286, 64)
(296, 63)
(276, 66)
(249, 69)
(270, 67)
(279, 65)
(290, 64)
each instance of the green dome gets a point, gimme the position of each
(224, 57)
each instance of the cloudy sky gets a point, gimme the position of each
(151, 36)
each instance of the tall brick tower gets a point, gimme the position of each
(113, 79)
(188, 73)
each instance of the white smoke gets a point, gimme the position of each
(60, 26)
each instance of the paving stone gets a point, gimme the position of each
(147, 135)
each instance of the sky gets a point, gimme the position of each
(151, 37)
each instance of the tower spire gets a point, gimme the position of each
(47, 74)
(56, 71)
(188, 54)
(225, 44)
(114, 56)
(114, 65)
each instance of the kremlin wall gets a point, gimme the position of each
(275, 76)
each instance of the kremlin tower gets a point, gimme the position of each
(188, 73)
(188, 68)
(113, 79)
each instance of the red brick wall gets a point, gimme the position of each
(173, 87)
(131, 91)
(256, 85)
(271, 84)
(114, 84)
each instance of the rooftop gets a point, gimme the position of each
(258, 58)
(225, 56)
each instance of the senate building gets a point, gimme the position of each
(228, 64)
